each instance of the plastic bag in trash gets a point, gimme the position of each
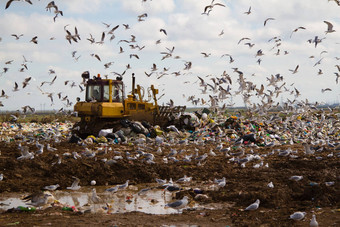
(137, 127)
(74, 139)
(249, 137)
(104, 132)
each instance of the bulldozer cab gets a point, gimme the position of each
(98, 90)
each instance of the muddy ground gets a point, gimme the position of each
(243, 186)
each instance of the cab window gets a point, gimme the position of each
(93, 93)
(117, 92)
(106, 94)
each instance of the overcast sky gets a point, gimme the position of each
(189, 32)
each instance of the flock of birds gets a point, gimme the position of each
(219, 89)
(319, 143)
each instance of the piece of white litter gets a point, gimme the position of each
(270, 185)
(329, 183)
(296, 178)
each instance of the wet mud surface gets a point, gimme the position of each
(243, 185)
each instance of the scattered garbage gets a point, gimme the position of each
(203, 125)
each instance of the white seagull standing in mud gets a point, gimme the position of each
(25, 154)
(112, 189)
(179, 204)
(297, 216)
(40, 148)
(124, 186)
(184, 179)
(52, 187)
(254, 205)
(313, 222)
(37, 199)
(95, 198)
(221, 183)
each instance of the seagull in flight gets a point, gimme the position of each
(295, 30)
(17, 37)
(294, 70)
(244, 38)
(163, 30)
(249, 11)
(142, 17)
(96, 56)
(34, 40)
(206, 54)
(16, 87)
(329, 27)
(208, 8)
(126, 26)
(326, 89)
(337, 77)
(75, 185)
(265, 22)
(102, 39)
(10, 2)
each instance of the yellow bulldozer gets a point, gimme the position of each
(105, 106)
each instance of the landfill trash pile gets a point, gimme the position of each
(289, 162)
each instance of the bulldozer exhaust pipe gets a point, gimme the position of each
(133, 85)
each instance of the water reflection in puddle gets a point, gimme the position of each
(152, 202)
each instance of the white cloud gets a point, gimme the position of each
(83, 6)
(154, 7)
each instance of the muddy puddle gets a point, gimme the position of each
(151, 201)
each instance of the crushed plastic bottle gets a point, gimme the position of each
(22, 208)
(67, 208)
(72, 208)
